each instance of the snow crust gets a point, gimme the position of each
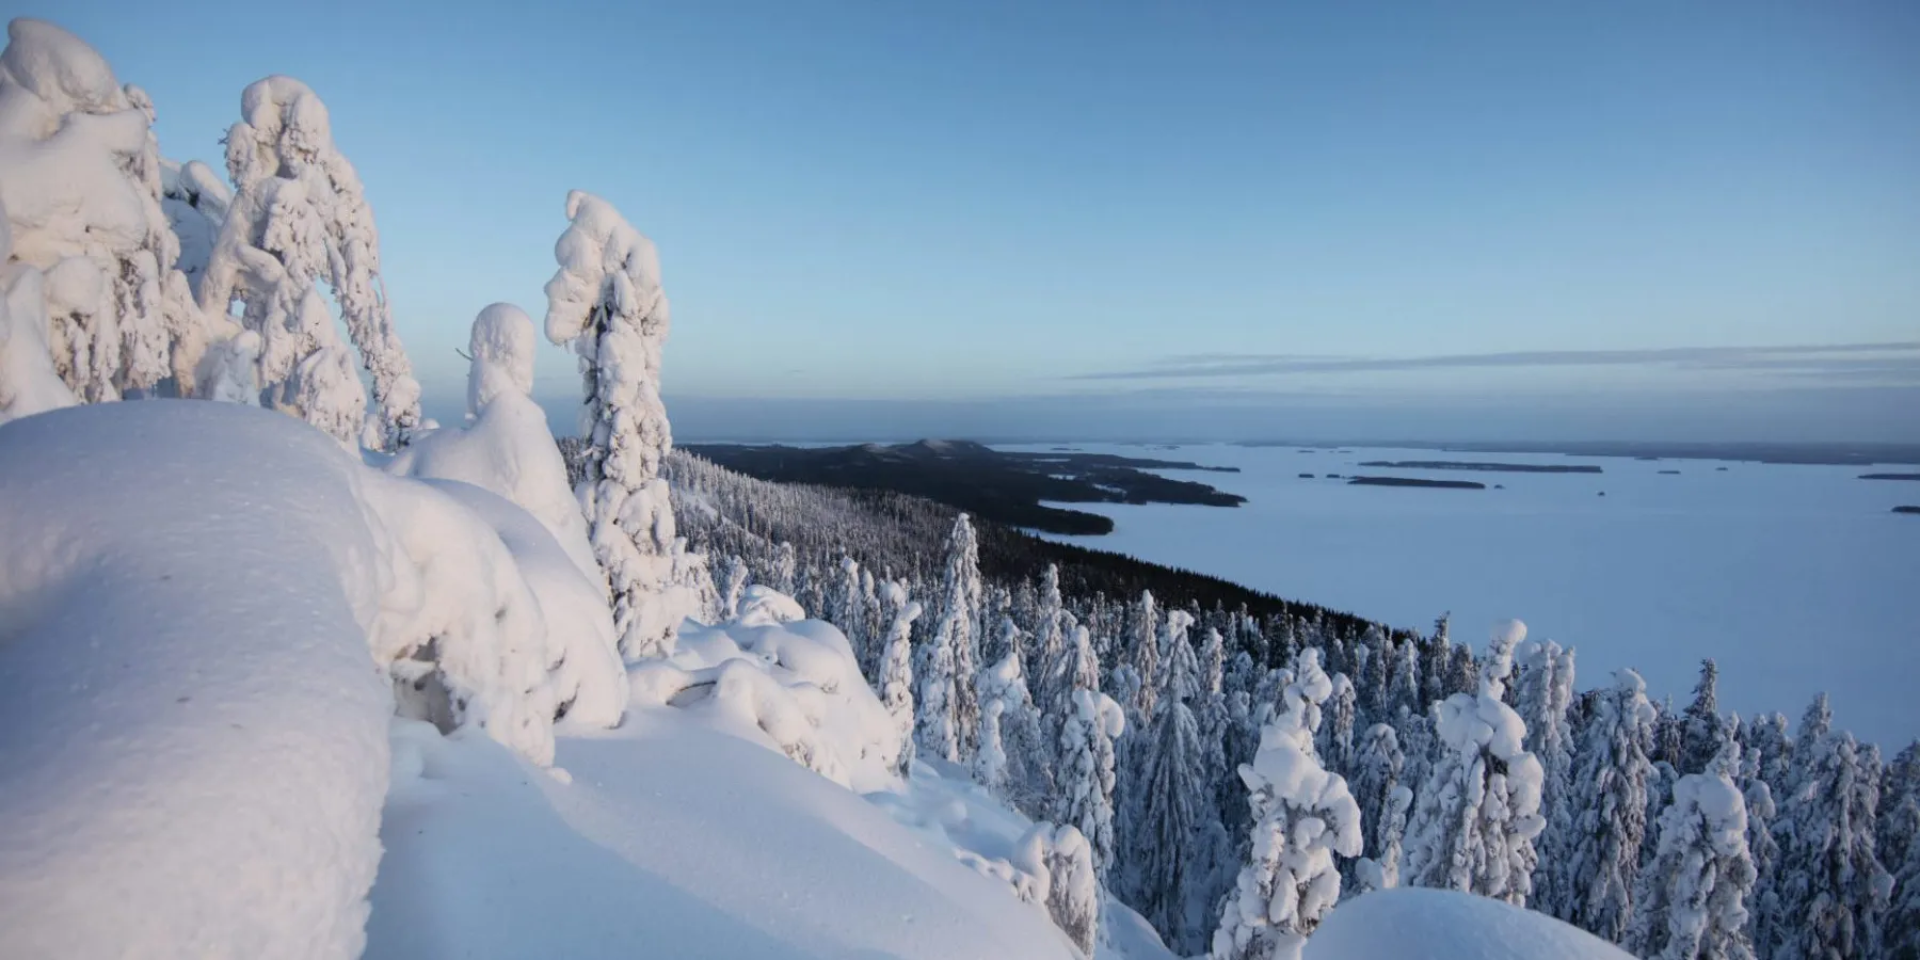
(1411, 923)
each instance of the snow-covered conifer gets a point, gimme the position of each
(300, 218)
(80, 184)
(959, 632)
(1701, 725)
(1143, 654)
(1377, 768)
(1174, 803)
(1478, 811)
(1303, 816)
(606, 301)
(936, 724)
(894, 679)
(1833, 889)
(1690, 900)
(28, 383)
(1073, 889)
(733, 584)
(1609, 798)
(1084, 798)
(1543, 695)
(1335, 740)
(1049, 633)
(1900, 843)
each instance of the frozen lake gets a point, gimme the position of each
(1794, 578)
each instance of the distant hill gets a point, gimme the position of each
(1009, 488)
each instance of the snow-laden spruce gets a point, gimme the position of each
(90, 271)
(958, 630)
(28, 382)
(507, 450)
(1175, 804)
(606, 301)
(1303, 816)
(1543, 695)
(1478, 810)
(299, 218)
(1609, 804)
(1832, 887)
(894, 682)
(1383, 803)
(1690, 902)
(1085, 777)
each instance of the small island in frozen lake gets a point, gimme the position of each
(1484, 467)
(1415, 482)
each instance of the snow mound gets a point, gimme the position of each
(193, 748)
(793, 686)
(1419, 924)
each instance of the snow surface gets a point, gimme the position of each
(1411, 923)
(193, 749)
(680, 839)
(1748, 565)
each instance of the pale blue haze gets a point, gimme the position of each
(979, 205)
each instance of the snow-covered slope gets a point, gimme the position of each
(673, 839)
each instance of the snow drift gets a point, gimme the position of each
(193, 747)
(206, 613)
(1417, 924)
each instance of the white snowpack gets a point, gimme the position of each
(673, 838)
(1413, 923)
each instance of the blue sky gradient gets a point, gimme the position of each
(967, 206)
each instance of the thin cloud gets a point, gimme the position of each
(1212, 365)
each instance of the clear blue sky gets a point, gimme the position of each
(1200, 211)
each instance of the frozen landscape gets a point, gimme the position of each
(1743, 562)
(290, 669)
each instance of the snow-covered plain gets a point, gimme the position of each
(1795, 578)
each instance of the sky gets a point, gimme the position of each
(1107, 220)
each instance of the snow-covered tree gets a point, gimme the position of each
(1377, 767)
(936, 722)
(606, 301)
(1335, 740)
(1900, 839)
(80, 186)
(847, 609)
(1303, 816)
(732, 586)
(1174, 802)
(1701, 726)
(1143, 655)
(958, 632)
(1543, 695)
(1478, 811)
(28, 383)
(894, 679)
(299, 218)
(1086, 774)
(1609, 797)
(1049, 634)
(1013, 759)
(1832, 886)
(1690, 901)
(1073, 887)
